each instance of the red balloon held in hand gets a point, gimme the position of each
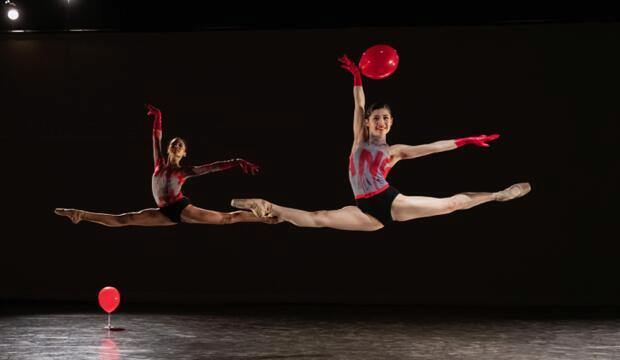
(379, 61)
(109, 299)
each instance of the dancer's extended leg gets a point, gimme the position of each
(146, 217)
(346, 218)
(406, 208)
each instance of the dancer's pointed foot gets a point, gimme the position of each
(74, 215)
(513, 192)
(259, 207)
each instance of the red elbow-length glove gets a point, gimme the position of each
(156, 113)
(476, 140)
(350, 66)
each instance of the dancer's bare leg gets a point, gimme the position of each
(146, 217)
(406, 208)
(195, 215)
(346, 218)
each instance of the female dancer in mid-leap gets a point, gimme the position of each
(168, 178)
(378, 203)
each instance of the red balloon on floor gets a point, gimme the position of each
(379, 61)
(109, 299)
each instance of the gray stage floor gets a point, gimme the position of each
(303, 332)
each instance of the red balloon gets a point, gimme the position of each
(379, 61)
(109, 298)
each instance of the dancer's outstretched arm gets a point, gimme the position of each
(246, 166)
(404, 152)
(157, 134)
(358, 96)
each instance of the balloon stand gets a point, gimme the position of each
(109, 326)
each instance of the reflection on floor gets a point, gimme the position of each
(309, 332)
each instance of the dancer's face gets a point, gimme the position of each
(379, 122)
(177, 149)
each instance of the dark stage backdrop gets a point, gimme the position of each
(75, 133)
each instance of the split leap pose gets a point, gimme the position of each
(168, 178)
(378, 203)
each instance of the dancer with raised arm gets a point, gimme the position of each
(377, 203)
(168, 178)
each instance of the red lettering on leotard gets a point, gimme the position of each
(373, 164)
(180, 177)
(378, 163)
(351, 165)
(384, 168)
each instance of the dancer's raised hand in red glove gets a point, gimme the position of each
(248, 167)
(152, 110)
(156, 113)
(350, 66)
